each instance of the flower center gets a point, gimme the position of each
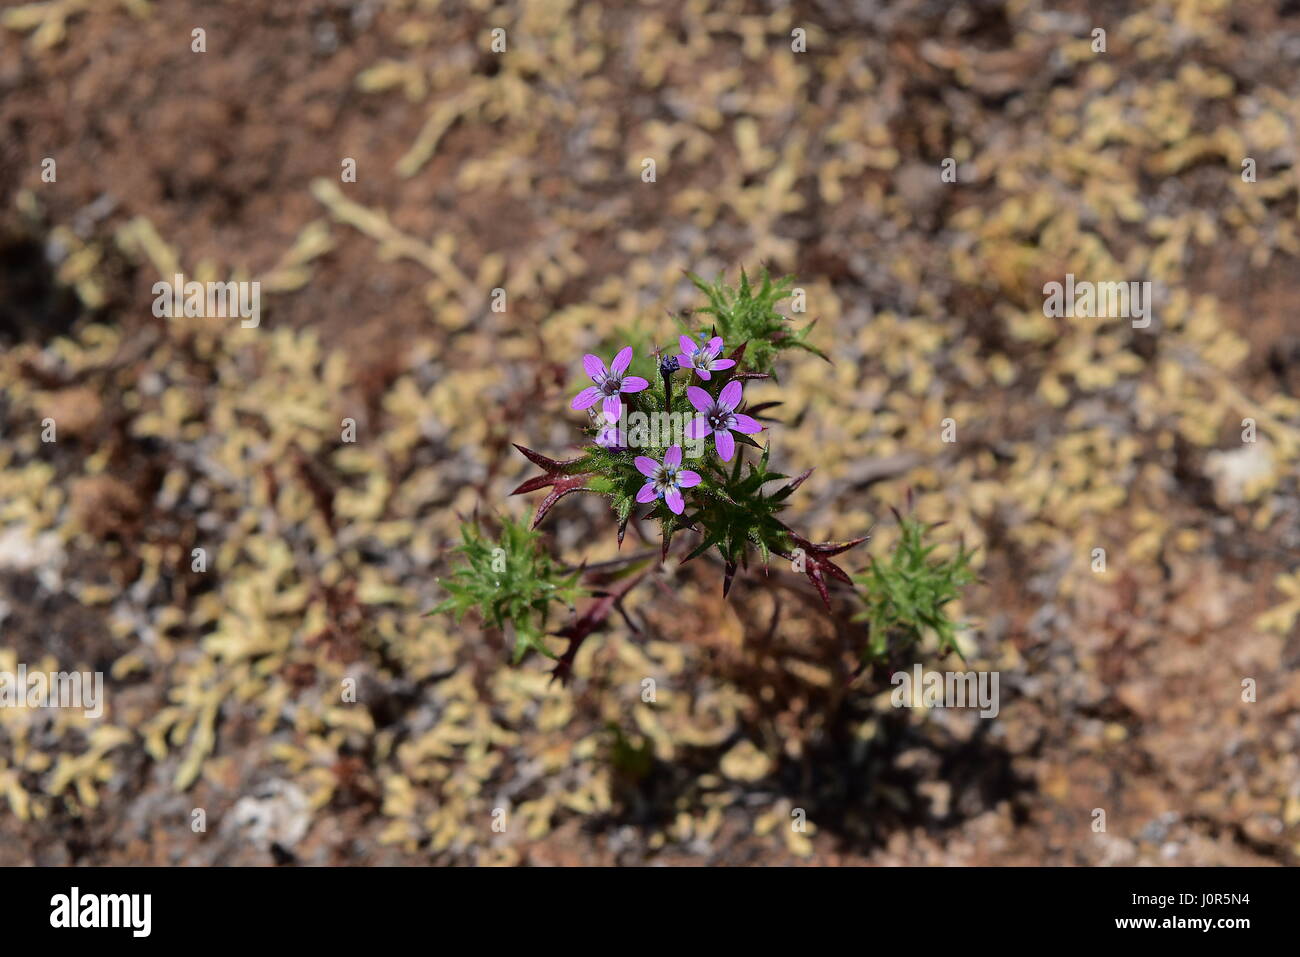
(665, 478)
(611, 385)
(719, 419)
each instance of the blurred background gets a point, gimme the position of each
(1121, 689)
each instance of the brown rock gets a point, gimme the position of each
(101, 504)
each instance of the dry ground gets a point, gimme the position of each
(1121, 690)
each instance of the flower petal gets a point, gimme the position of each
(621, 361)
(586, 398)
(720, 364)
(673, 457)
(688, 479)
(593, 367)
(702, 401)
(647, 493)
(684, 361)
(613, 406)
(746, 424)
(715, 345)
(731, 394)
(646, 465)
(674, 499)
(687, 345)
(704, 374)
(634, 383)
(725, 444)
(697, 428)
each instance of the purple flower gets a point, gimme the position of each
(609, 383)
(608, 434)
(720, 417)
(665, 481)
(703, 357)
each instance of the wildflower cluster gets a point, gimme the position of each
(682, 459)
(670, 445)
